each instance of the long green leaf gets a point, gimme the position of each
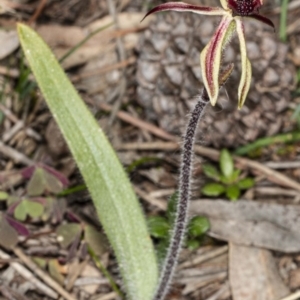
(110, 189)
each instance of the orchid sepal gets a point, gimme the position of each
(210, 58)
(262, 19)
(246, 71)
(182, 6)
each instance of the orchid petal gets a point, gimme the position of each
(225, 74)
(210, 58)
(262, 19)
(245, 63)
(224, 4)
(181, 6)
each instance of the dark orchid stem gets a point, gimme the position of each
(183, 201)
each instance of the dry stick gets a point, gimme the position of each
(25, 273)
(183, 200)
(37, 12)
(43, 275)
(137, 122)
(122, 57)
(15, 155)
(213, 154)
(294, 296)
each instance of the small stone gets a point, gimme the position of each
(253, 51)
(294, 279)
(160, 42)
(174, 74)
(268, 48)
(182, 44)
(270, 77)
(286, 77)
(56, 142)
(149, 70)
(222, 126)
(206, 29)
(296, 56)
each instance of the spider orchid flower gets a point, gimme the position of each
(232, 12)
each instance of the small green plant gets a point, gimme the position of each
(160, 228)
(37, 203)
(227, 179)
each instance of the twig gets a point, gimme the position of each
(122, 57)
(30, 277)
(224, 289)
(150, 200)
(204, 257)
(204, 282)
(77, 46)
(100, 266)
(108, 296)
(29, 131)
(293, 296)
(15, 155)
(37, 12)
(273, 191)
(213, 154)
(283, 164)
(43, 275)
(103, 70)
(137, 122)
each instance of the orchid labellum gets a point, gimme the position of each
(232, 12)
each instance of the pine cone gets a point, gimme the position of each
(169, 79)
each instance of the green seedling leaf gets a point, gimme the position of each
(12, 200)
(158, 227)
(66, 233)
(235, 175)
(198, 226)
(42, 263)
(34, 209)
(3, 196)
(161, 250)
(114, 199)
(213, 189)
(55, 271)
(226, 163)
(52, 183)
(8, 235)
(96, 240)
(48, 208)
(193, 244)
(233, 192)
(42, 181)
(36, 186)
(29, 208)
(20, 212)
(211, 172)
(246, 183)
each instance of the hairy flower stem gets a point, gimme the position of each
(183, 200)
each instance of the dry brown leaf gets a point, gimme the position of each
(62, 38)
(9, 42)
(253, 274)
(249, 223)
